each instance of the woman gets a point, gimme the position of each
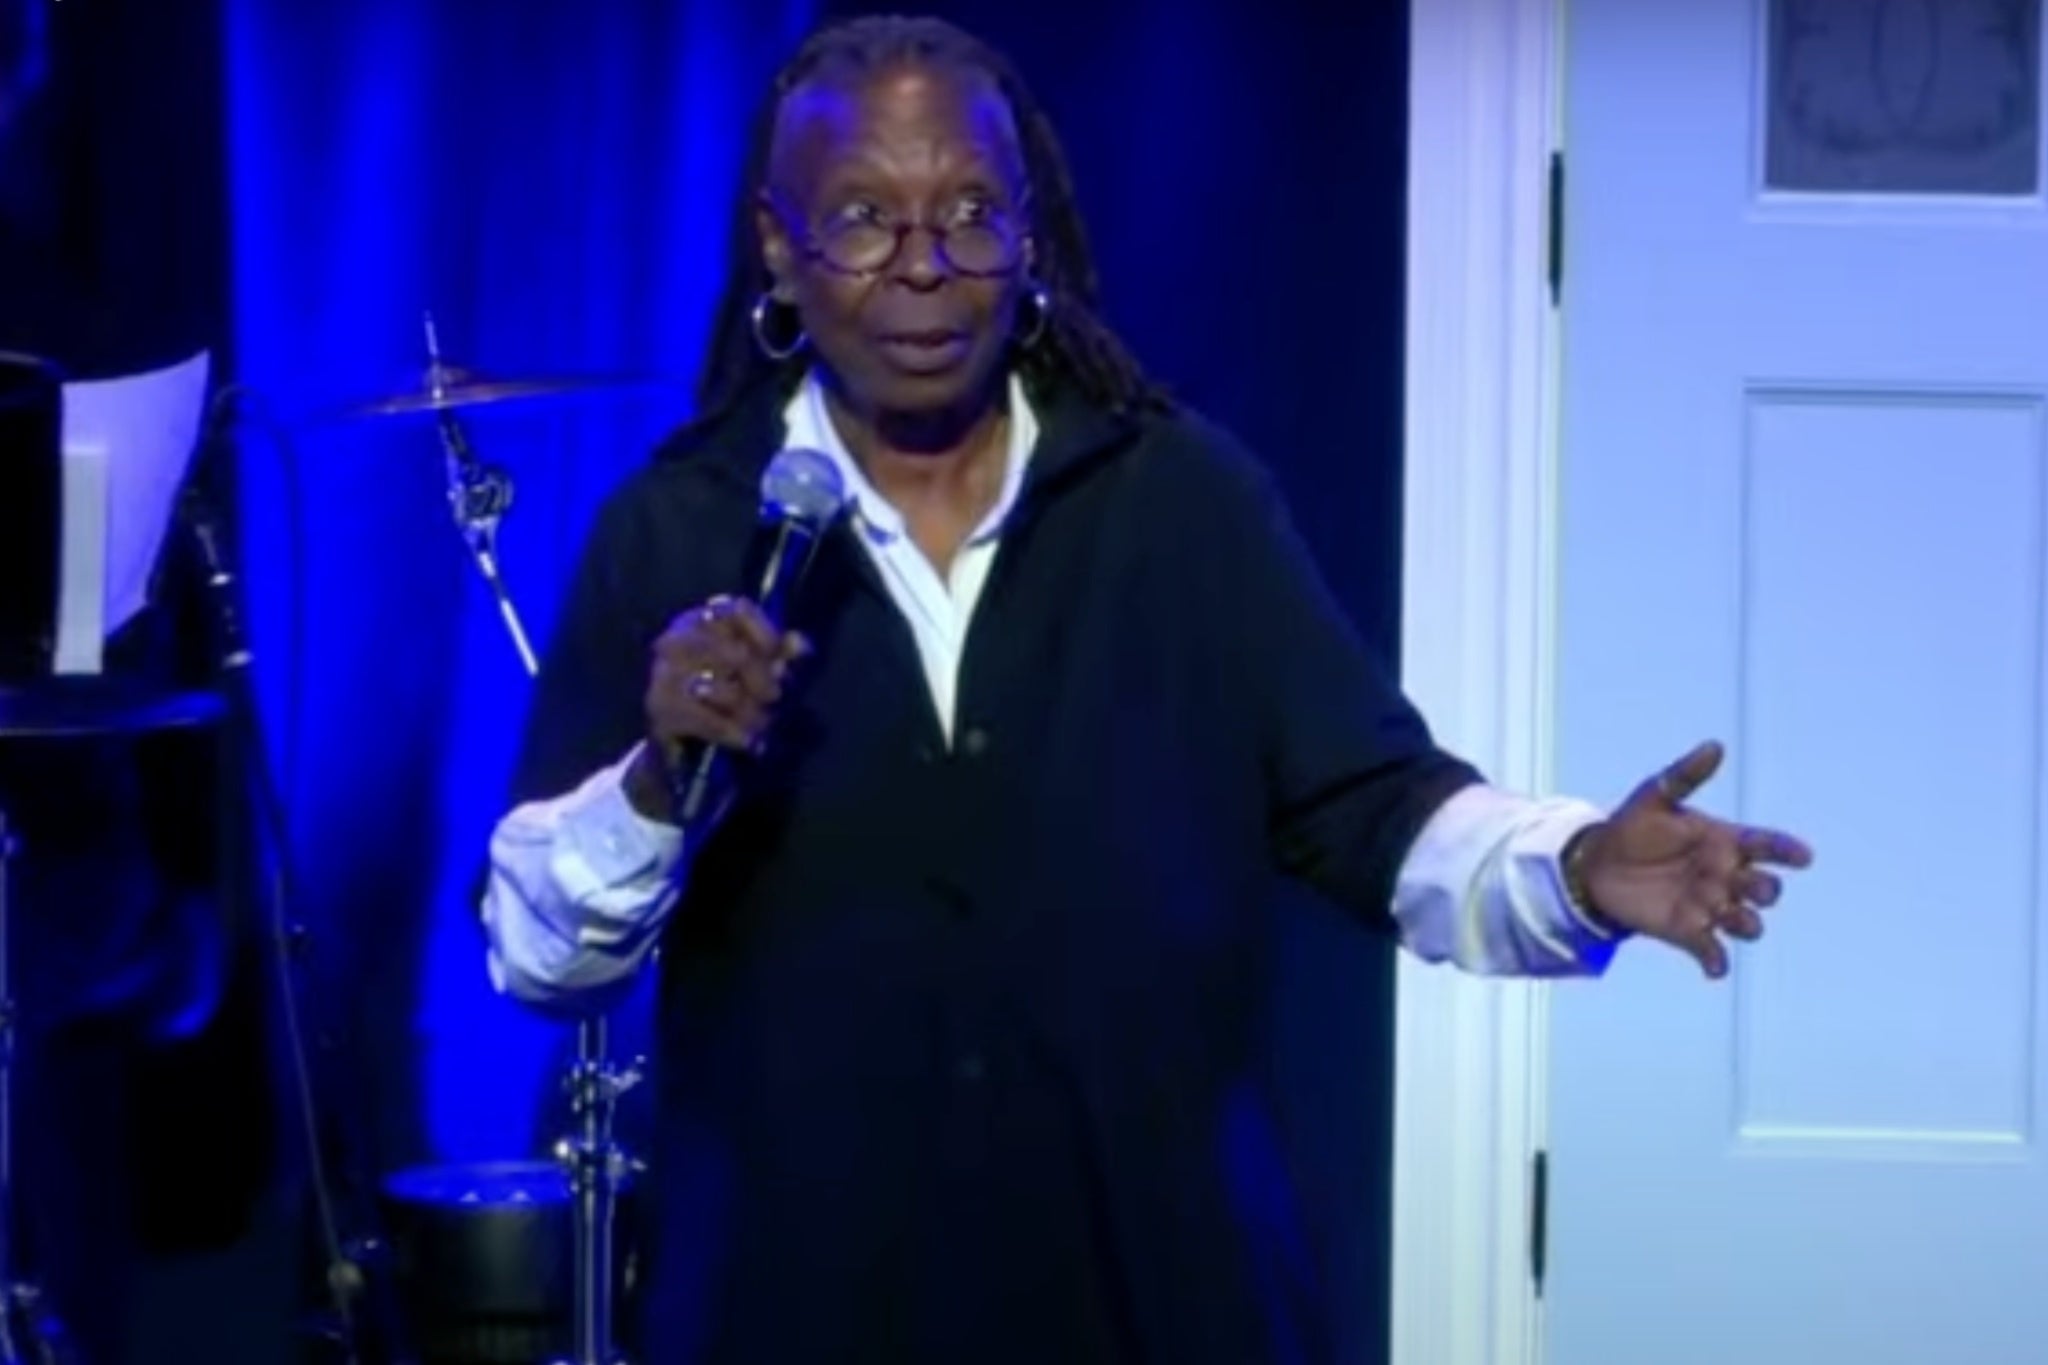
(963, 1000)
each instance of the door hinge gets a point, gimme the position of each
(1554, 265)
(1539, 1218)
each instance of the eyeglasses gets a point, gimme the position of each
(867, 243)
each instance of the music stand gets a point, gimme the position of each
(39, 706)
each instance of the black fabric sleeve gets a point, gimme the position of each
(588, 700)
(1352, 772)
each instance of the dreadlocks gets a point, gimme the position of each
(1076, 345)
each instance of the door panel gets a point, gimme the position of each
(1804, 508)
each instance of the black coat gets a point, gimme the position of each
(964, 1055)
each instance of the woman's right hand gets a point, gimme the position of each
(717, 674)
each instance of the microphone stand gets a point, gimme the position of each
(479, 495)
(347, 1280)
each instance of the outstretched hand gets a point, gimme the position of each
(1658, 869)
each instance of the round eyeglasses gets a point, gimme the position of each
(868, 244)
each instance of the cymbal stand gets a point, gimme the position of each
(479, 495)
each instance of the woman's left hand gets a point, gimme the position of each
(1658, 869)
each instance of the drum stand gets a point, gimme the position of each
(29, 1333)
(479, 495)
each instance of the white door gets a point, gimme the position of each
(1804, 508)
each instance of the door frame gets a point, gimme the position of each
(1478, 644)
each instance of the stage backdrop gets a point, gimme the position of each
(553, 180)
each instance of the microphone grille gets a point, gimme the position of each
(803, 485)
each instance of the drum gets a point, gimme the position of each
(483, 1261)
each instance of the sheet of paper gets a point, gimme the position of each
(82, 562)
(148, 426)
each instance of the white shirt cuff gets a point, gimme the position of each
(1483, 888)
(603, 842)
(579, 888)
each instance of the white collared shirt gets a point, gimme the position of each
(938, 608)
(581, 884)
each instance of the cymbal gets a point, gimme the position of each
(460, 388)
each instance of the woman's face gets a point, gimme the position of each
(894, 221)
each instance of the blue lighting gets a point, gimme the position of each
(557, 188)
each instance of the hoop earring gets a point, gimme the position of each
(762, 339)
(1040, 299)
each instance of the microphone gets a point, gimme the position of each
(801, 496)
(196, 507)
(232, 642)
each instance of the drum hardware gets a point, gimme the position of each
(590, 1167)
(485, 1257)
(479, 496)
